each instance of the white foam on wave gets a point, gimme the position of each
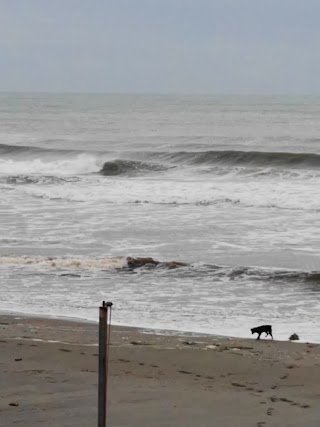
(81, 164)
(106, 263)
(272, 193)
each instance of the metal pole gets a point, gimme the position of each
(102, 366)
(104, 337)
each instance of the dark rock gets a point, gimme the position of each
(148, 261)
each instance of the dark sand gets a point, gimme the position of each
(187, 381)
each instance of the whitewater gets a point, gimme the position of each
(227, 185)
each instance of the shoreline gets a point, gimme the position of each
(148, 330)
(142, 329)
(49, 372)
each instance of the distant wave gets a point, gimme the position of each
(24, 160)
(32, 151)
(129, 167)
(249, 162)
(162, 160)
(224, 160)
(217, 201)
(254, 158)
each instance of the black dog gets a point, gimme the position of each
(264, 328)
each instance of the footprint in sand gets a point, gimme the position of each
(261, 423)
(65, 350)
(139, 343)
(269, 411)
(284, 399)
(184, 372)
(280, 399)
(237, 385)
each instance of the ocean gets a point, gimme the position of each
(228, 185)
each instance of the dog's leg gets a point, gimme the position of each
(259, 336)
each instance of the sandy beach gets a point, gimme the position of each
(49, 377)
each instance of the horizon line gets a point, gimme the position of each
(136, 93)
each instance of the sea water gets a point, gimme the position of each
(228, 185)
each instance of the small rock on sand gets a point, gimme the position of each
(294, 337)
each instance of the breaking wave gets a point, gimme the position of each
(24, 160)
(129, 167)
(79, 165)
(243, 162)
(120, 263)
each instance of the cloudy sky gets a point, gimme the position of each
(160, 46)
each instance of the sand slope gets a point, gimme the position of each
(155, 381)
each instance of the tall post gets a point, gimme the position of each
(104, 341)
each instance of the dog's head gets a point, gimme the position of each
(252, 330)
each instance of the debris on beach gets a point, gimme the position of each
(294, 337)
(139, 343)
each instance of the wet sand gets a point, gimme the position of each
(48, 376)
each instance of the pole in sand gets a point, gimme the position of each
(104, 344)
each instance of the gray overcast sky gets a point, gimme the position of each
(189, 46)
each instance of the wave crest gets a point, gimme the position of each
(129, 167)
(79, 165)
(254, 158)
